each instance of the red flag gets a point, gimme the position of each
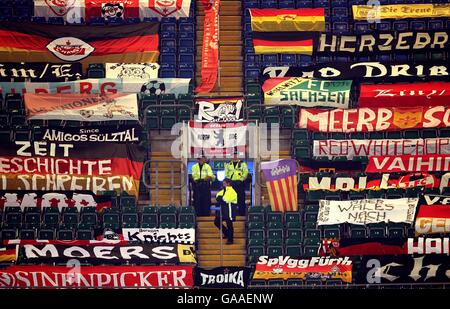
(210, 50)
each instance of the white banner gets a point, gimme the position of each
(133, 71)
(220, 110)
(160, 235)
(102, 86)
(367, 211)
(217, 138)
(387, 147)
(158, 8)
(69, 10)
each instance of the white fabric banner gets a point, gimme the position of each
(70, 10)
(160, 235)
(133, 71)
(386, 147)
(367, 211)
(217, 138)
(220, 110)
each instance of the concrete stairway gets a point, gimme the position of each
(208, 239)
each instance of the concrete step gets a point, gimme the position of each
(238, 226)
(225, 252)
(207, 247)
(217, 236)
(211, 219)
(211, 241)
(236, 257)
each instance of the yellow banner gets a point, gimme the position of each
(186, 253)
(399, 11)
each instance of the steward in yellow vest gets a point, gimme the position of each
(237, 172)
(203, 176)
(226, 199)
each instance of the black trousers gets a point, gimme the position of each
(202, 198)
(239, 187)
(228, 231)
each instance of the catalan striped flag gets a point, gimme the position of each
(281, 180)
(282, 20)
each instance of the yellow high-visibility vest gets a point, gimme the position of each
(201, 173)
(228, 194)
(236, 172)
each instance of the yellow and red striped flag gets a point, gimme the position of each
(281, 180)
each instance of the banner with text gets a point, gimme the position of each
(97, 276)
(285, 267)
(94, 134)
(366, 211)
(222, 277)
(422, 163)
(434, 219)
(82, 107)
(373, 119)
(37, 71)
(380, 147)
(307, 92)
(400, 11)
(160, 235)
(220, 109)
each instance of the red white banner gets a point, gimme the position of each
(404, 95)
(425, 163)
(373, 119)
(433, 219)
(380, 147)
(98, 276)
(210, 49)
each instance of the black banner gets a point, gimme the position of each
(382, 42)
(95, 134)
(222, 277)
(108, 254)
(404, 269)
(433, 199)
(365, 71)
(40, 71)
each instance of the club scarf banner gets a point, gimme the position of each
(133, 71)
(31, 42)
(95, 134)
(210, 49)
(281, 181)
(217, 139)
(36, 71)
(371, 71)
(383, 42)
(434, 219)
(285, 267)
(385, 181)
(402, 95)
(82, 107)
(383, 246)
(108, 254)
(373, 119)
(404, 269)
(73, 10)
(367, 211)
(400, 11)
(56, 199)
(422, 163)
(307, 92)
(281, 20)
(97, 276)
(380, 147)
(51, 166)
(433, 199)
(219, 109)
(222, 277)
(102, 86)
(8, 253)
(160, 235)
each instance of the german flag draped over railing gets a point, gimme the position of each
(281, 180)
(137, 43)
(287, 31)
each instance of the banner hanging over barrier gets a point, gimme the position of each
(285, 267)
(400, 11)
(367, 211)
(82, 107)
(287, 20)
(220, 109)
(36, 71)
(404, 95)
(422, 163)
(31, 42)
(102, 86)
(97, 276)
(222, 277)
(160, 235)
(381, 147)
(373, 119)
(307, 92)
(370, 71)
(95, 134)
(434, 219)
(133, 71)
